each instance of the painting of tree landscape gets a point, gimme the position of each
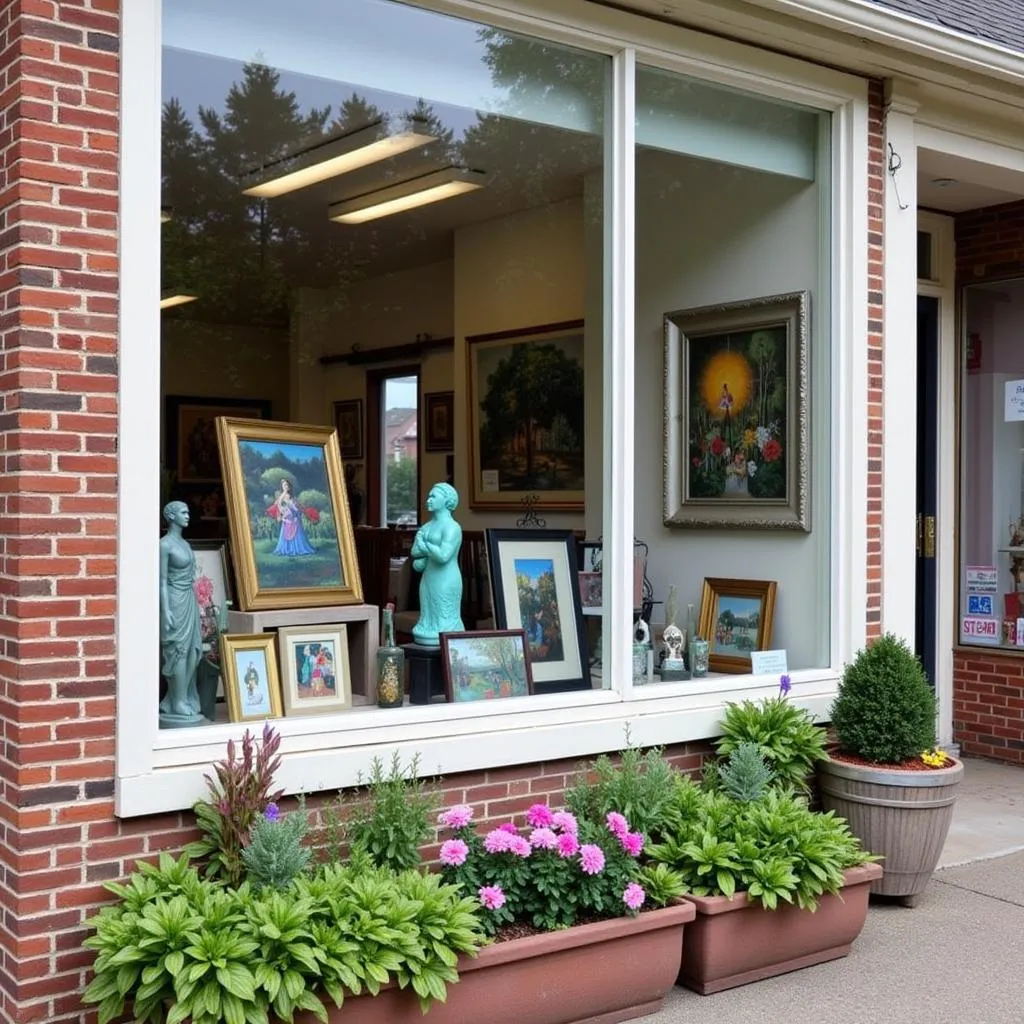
(538, 608)
(486, 666)
(738, 415)
(526, 415)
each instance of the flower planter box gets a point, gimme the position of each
(733, 942)
(599, 973)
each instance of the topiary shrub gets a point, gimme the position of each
(885, 710)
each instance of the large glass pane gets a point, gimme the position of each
(351, 189)
(733, 329)
(991, 533)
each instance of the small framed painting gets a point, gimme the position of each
(535, 588)
(439, 410)
(736, 618)
(486, 665)
(251, 684)
(315, 674)
(348, 421)
(212, 585)
(591, 589)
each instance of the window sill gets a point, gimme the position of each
(331, 752)
(1000, 650)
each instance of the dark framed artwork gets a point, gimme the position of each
(485, 665)
(737, 415)
(190, 433)
(348, 421)
(526, 431)
(736, 617)
(535, 587)
(439, 412)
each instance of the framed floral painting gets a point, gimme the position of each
(737, 417)
(288, 515)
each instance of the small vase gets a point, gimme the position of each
(699, 650)
(390, 666)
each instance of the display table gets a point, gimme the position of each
(362, 620)
(426, 679)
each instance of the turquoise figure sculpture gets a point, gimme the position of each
(181, 642)
(435, 553)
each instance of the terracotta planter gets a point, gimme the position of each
(903, 816)
(593, 974)
(733, 942)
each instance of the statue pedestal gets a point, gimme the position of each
(169, 721)
(426, 678)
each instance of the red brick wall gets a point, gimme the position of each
(988, 688)
(876, 296)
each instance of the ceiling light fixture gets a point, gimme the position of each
(407, 195)
(171, 299)
(944, 182)
(337, 156)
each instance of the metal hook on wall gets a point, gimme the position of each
(895, 164)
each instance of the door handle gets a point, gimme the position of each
(929, 536)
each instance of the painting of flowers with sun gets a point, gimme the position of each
(736, 415)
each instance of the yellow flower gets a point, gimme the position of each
(934, 758)
(749, 438)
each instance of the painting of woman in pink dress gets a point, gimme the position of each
(288, 512)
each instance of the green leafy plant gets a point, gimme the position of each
(240, 789)
(885, 709)
(641, 786)
(391, 818)
(774, 848)
(785, 734)
(745, 776)
(662, 884)
(275, 855)
(212, 954)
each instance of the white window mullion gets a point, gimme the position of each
(618, 377)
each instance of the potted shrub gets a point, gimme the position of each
(886, 778)
(775, 885)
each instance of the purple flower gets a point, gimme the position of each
(617, 824)
(591, 859)
(785, 685)
(539, 816)
(568, 844)
(509, 827)
(634, 896)
(491, 896)
(632, 843)
(564, 821)
(543, 839)
(453, 852)
(458, 816)
(497, 841)
(519, 846)
(272, 812)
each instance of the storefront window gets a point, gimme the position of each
(991, 533)
(733, 475)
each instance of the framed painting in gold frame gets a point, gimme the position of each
(736, 617)
(252, 687)
(288, 515)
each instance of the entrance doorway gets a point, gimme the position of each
(926, 618)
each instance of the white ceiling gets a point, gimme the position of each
(964, 184)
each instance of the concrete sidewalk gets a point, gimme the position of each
(957, 956)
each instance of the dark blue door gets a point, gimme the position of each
(927, 478)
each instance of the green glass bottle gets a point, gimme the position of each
(390, 665)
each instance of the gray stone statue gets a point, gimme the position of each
(435, 553)
(181, 643)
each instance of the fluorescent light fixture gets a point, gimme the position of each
(338, 156)
(407, 195)
(171, 299)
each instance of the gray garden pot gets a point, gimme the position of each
(904, 816)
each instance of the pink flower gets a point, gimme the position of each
(203, 587)
(591, 859)
(617, 824)
(632, 843)
(634, 896)
(519, 846)
(458, 816)
(497, 841)
(568, 844)
(539, 816)
(454, 852)
(491, 896)
(564, 821)
(543, 839)
(509, 827)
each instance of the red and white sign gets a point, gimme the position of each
(980, 629)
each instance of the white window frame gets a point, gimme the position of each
(163, 770)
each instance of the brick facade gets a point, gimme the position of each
(58, 420)
(988, 687)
